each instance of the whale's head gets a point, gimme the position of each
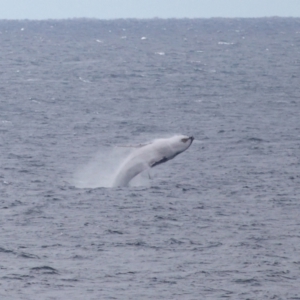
(187, 139)
(180, 143)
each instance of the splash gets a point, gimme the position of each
(101, 170)
(129, 165)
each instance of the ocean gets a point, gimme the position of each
(221, 220)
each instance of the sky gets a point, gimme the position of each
(115, 9)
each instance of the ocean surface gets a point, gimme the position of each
(220, 221)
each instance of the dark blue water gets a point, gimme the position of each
(219, 221)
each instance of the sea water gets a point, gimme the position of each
(219, 221)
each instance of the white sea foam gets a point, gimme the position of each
(100, 170)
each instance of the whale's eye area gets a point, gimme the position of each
(184, 140)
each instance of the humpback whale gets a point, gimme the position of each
(149, 156)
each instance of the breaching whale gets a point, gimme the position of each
(149, 156)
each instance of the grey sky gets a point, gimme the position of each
(112, 9)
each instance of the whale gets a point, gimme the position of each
(149, 155)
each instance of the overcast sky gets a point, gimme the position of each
(112, 9)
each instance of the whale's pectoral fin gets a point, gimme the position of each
(164, 159)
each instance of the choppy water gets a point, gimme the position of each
(219, 221)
